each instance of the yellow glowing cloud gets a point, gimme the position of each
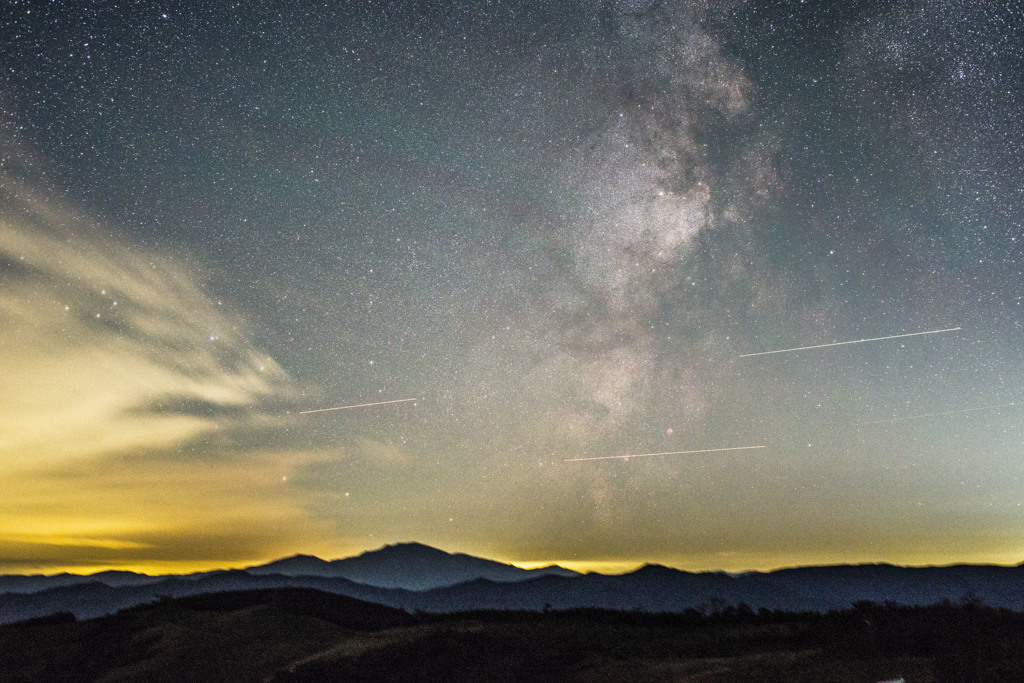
(94, 332)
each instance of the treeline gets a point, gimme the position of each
(949, 642)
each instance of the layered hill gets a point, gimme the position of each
(413, 577)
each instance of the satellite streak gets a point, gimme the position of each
(647, 455)
(360, 405)
(855, 341)
(947, 412)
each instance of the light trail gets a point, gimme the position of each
(947, 412)
(843, 343)
(647, 455)
(360, 405)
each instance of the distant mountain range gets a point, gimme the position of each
(417, 577)
(412, 566)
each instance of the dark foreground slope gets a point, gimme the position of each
(235, 636)
(294, 635)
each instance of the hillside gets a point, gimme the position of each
(297, 635)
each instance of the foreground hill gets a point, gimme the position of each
(239, 636)
(298, 635)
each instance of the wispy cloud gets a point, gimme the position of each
(103, 340)
(118, 371)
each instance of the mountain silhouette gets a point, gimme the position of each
(412, 566)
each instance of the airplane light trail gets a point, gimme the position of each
(855, 341)
(947, 412)
(360, 405)
(647, 455)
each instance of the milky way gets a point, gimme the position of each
(562, 227)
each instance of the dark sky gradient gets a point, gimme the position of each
(559, 226)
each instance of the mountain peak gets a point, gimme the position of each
(655, 570)
(296, 565)
(407, 548)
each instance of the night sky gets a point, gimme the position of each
(561, 227)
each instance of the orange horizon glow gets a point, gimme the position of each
(608, 567)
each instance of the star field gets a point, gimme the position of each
(564, 228)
